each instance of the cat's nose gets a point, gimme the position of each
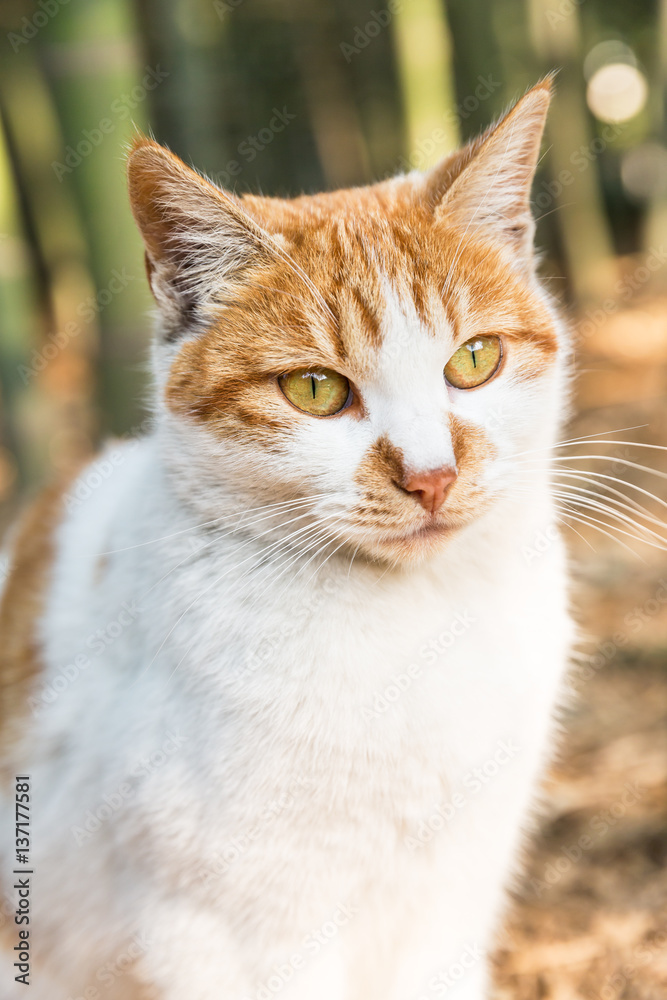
(430, 488)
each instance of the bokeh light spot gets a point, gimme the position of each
(617, 92)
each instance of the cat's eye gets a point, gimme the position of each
(319, 391)
(474, 363)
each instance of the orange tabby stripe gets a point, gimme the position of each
(22, 603)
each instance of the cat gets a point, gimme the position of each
(281, 677)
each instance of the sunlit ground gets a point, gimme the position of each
(590, 917)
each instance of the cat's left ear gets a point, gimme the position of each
(198, 238)
(486, 186)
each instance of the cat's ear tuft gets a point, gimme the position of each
(486, 186)
(198, 239)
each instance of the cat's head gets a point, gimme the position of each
(378, 353)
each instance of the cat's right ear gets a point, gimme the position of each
(198, 239)
(486, 185)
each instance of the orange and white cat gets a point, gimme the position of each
(282, 677)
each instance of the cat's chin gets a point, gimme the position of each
(415, 545)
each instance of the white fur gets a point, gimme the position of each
(275, 687)
(407, 400)
(335, 709)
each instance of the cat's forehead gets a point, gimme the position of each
(363, 283)
(367, 271)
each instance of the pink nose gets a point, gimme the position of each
(430, 488)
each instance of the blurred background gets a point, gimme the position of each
(285, 96)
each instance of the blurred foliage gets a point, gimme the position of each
(278, 96)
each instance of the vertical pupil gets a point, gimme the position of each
(474, 359)
(313, 386)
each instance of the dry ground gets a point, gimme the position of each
(590, 918)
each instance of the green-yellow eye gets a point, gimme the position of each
(316, 390)
(474, 362)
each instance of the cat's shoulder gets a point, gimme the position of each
(31, 551)
(79, 503)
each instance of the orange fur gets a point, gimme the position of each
(21, 606)
(273, 324)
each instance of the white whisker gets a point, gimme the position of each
(223, 517)
(262, 554)
(271, 583)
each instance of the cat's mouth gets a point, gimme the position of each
(417, 543)
(428, 531)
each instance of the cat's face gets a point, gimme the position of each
(380, 353)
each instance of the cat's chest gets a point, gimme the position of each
(349, 727)
(412, 648)
(378, 693)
